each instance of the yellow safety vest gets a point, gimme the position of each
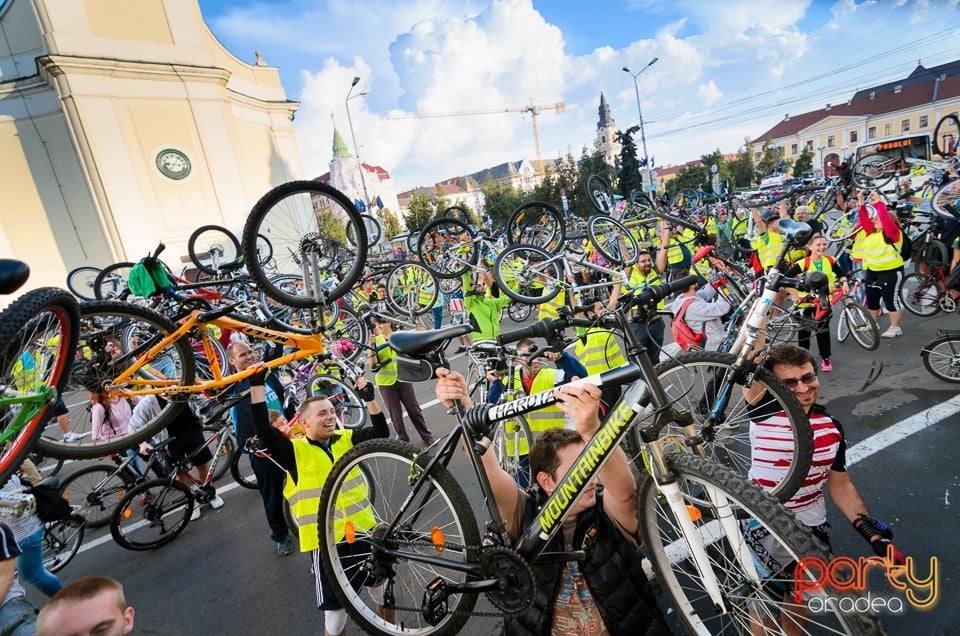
(599, 351)
(878, 255)
(825, 265)
(313, 467)
(541, 419)
(640, 281)
(551, 308)
(387, 373)
(768, 246)
(739, 227)
(710, 227)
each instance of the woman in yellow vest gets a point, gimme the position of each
(307, 462)
(882, 262)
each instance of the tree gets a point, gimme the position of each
(500, 202)
(689, 177)
(440, 202)
(390, 222)
(419, 212)
(741, 168)
(803, 163)
(769, 159)
(628, 179)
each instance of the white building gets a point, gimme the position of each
(357, 179)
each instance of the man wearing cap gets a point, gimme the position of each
(768, 242)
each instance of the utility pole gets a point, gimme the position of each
(643, 137)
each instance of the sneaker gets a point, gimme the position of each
(892, 332)
(825, 365)
(71, 437)
(460, 349)
(285, 547)
(196, 512)
(216, 503)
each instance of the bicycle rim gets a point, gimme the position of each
(537, 224)
(446, 248)
(213, 248)
(861, 325)
(61, 541)
(94, 492)
(111, 282)
(920, 294)
(694, 382)
(411, 289)
(350, 410)
(942, 359)
(528, 274)
(613, 241)
(440, 513)
(751, 602)
(152, 514)
(80, 281)
(222, 449)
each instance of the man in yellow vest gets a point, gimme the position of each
(307, 462)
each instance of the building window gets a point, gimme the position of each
(924, 121)
(809, 144)
(887, 128)
(831, 141)
(794, 149)
(854, 136)
(756, 156)
(872, 132)
(905, 125)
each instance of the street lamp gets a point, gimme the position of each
(353, 136)
(643, 138)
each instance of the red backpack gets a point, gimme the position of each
(683, 335)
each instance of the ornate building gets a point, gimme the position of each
(358, 180)
(606, 142)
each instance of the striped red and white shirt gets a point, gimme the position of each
(772, 444)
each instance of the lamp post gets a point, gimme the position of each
(643, 137)
(353, 136)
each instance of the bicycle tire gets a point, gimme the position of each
(350, 410)
(417, 287)
(932, 251)
(843, 328)
(226, 449)
(946, 198)
(537, 224)
(511, 442)
(446, 248)
(702, 483)
(946, 135)
(49, 316)
(304, 219)
(241, 469)
(111, 282)
(920, 294)
(871, 172)
(213, 248)
(528, 274)
(132, 330)
(449, 285)
(348, 336)
(94, 492)
(519, 312)
(61, 542)
(691, 382)
(264, 250)
(287, 318)
(441, 504)
(371, 227)
(942, 358)
(81, 281)
(613, 240)
(413, 237)
(140, 521)
(840, 229)
(599, 193)
(40, 461)
(861, 325)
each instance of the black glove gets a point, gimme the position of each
(257, 379)
(870, 528)
(366, 393)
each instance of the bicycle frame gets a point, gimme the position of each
(32, 404)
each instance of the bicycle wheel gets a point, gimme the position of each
(861, 325)
(349, 547)
(920, 294)
(783, 325)
(599, 193)
(537, 224)
(264, 250)
(61, 541)
(613, 240)
(308, 223)
(111, 282)
(519, 312)
(241, 469)
(152, 514)
(843, 328)
(932, 251)
(755, 591)
(372, 228)
(942, 358)
(213, 248)
(528, 274)
(411, 289)
(446, 247)
(448, 285)
(873, 171)
(287, 318)
(348, 336)
(841, 228)
(946, 136)
(511, 442)
(48, 466)
(696, 381)
(38, 342)
(81, 281)
(223, 450)
(113, 337)
(946, 198)
(95, 491)
(350, 410)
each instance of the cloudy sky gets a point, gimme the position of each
(726, 70)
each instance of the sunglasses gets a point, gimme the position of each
(791, 383)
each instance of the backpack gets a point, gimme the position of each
(685, 337)
(906, 247)
(147, 278)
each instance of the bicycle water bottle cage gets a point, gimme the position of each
(794, 231)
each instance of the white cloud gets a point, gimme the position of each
(709, 92)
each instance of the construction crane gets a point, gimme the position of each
(533, 109)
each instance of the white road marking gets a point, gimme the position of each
(893, 434)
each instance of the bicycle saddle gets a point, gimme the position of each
(794, 231)
(420, 344)
(13, 274)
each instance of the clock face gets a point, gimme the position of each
(173, 164)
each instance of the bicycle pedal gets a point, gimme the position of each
(434, 608)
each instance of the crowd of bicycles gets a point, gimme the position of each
(301, 285)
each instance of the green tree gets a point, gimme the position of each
(769, 159)
(419, 212)
(803, 163)
(390, 222)
(500, 202)
(440, 202)
(741, 168)
(689, 177)
(628, 179)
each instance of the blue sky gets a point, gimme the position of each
(726, 70)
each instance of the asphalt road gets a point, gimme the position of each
(223, 575)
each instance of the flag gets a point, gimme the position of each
(652, 162)
(457, 306)
(379, 202)
(643, 162)
(357, 203)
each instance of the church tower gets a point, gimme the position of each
(345, 170)
(606, 143)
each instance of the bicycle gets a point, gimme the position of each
(62, 537)
(941, 357)
(858, 321)
(926, 295)
(420, 541)
(38, 339)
